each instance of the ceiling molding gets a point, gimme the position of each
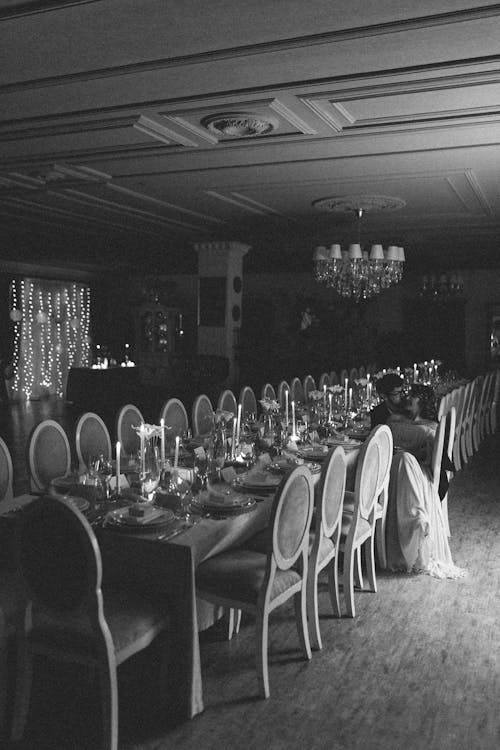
(312, 40)
(165, 204)
(156, 127)
(292, 117)
(35, 7)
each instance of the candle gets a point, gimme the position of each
(143, 457)
(233, 441)
(330, 397)
(350, 398)
(324, 395)
(415, 377)
(118, 447)
(367, 377)
(162, 447)
(294, 434)
(369, 393)
(286, 408)
(398, 370)
(345, 393)
(238, 425)
(176, 456)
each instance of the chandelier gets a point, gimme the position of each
(356, 272)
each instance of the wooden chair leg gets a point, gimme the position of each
(370, 563)
(301, 620)
(262, 625)
(380, 540)
(333, 585)
(312, 608)
(230, 623)
(358, 570)
(109, 703)
(348, 581)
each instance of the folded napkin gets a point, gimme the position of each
(258, 477)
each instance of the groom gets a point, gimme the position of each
(390, 389)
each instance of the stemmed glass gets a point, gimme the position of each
(149, 474)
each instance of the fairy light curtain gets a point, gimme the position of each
(51, 334)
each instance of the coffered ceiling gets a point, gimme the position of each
(130, 130)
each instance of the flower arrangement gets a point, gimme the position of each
(316, 395)
(148, 431)
(361, 381)
(335, 388)
(270, 405)
(223, 416)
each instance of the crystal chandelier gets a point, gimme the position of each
(357, 273)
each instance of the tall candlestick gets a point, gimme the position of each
(350, 399)
(286, 408)
(238, 425)
(324, 395)
(176, 455)
(294, 433)
(369, 393)
(118, 449)
(162, 444)
(233, 441)
(330, 398)
(345, 393)
(143, 457)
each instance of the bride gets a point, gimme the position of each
(417, 530)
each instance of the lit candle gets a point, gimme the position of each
(345, 393)
(294, 433)
(162, 445)
(143, 457)
(350, 398)
(415, 376)
(324, 395)
(367, 377)
(176, 456)
(398, 370)
(369, 393)
(238, 425)
(286, 408)
(330, 397)
(118, 448)
(233, 441)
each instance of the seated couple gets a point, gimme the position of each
(417, 528)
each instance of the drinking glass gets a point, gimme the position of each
(150, 470)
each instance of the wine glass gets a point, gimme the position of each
(149, 474)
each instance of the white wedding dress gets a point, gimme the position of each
(417, 533)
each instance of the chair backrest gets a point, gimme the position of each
(296, 391)
(282, 389)
(386, 446)
(324, 379)
(91, 438)
(6, 473)
(368, 473)
(61, 563)
(203, 416)
(308, 386)
(344, 375)
(227, 402)
(129, 417)
(443, 445)
(175, 418)
(268, 391)
(334, 378)
(353, 375)
(49, 454)
(329, 494)
(291, 518)
(362, 371)
(248, 402)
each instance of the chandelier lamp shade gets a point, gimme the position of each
(356, 272)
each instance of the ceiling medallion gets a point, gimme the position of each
(239, 124)
(354, 203)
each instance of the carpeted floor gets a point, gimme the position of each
(418, 668)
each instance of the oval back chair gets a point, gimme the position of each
(268, 391)
(353, 375)
(203, 416)
(282, 389)
(328, 500)
(6, 473)
(248, 402)
(91, 439)
(334, 378)
(49, 454)
(344, 375)
(227, 402)
(128, 418)
(258, 583)
(308, 386)
(442, 460)
(324, 379)
(386, 445)
(297, 391)
(362, 371)
(72, 621)
(175, 418)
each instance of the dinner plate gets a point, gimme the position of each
(231, 501)
(258, 481)
(121, 519)
(313, 452)
(347, 444)
(202, 504)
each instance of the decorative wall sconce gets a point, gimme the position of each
(442, 286)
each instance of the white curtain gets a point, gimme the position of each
(51, 320)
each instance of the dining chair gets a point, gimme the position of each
(6, 473)
(268, 392)
(128, 418)
(297, 391)
(248, 402)
(203, 416)
(71, 618)
(282, 389)
(464, 424)
(175, 417)
(458, 403)
(441, 461)
(49, 454)
(91, 439)
(227, 402)
(386, 445)
(358, 526)
(324, 379)
(324, 541)
(334, 378)
(344, 375)
(258, 583)
(308, 385)
(362, 371)
(476, 414)
(353, 375)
